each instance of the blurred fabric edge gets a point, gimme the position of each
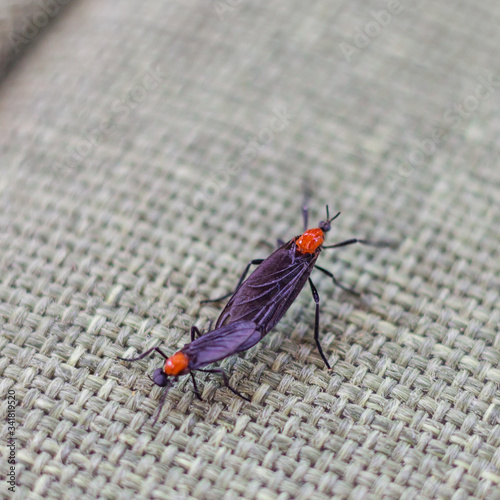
(21, 23)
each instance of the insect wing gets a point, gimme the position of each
(269, 291)
(221, 343)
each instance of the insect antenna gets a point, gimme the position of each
(326, 225)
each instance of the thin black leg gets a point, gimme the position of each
(305, 215)
(144, 354)
(279, 243)
(307, 191)
(316, 323)
(364, 242)
(194, 333)
(340, 285)
(196, 391)
(226, 381)
(160, 404)
(245, 272)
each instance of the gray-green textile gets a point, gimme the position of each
(22, 21)
(148, 152)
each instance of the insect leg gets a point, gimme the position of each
(144, 354)
(329, 274)
(316, 323)
(305, 215)
(194, 332)
(161, 403)
(245, 272)
(307, 191)
(226, 381)
(279, 243)
(196, 391)
(364, 242)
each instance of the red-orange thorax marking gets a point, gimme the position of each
(176, 364)
(310, 240)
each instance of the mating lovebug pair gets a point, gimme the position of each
(255, 307)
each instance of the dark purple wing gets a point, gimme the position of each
(270, 290)
(221, 343)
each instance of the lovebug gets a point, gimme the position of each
(255, 307)
(270, 290)
(202, 351)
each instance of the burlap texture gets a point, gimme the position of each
(148, 149)
(21, 22)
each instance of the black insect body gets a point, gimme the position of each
(255, 307)
(202, 351)
(266, 295)
(271, 289)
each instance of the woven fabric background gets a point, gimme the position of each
(22, 21)
(148, 149)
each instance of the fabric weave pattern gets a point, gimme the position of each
(148, 152)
